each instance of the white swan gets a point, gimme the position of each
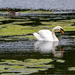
(46, 35)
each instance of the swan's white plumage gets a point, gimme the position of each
(46, 35)
(38, 37)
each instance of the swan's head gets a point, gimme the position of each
(58, 28)
(62, 30)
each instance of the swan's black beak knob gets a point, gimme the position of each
(62, 30)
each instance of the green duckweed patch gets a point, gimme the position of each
(61, 61)
(71, 68)
(36, 11)
(72, 36)
(27, 66)
(22, 23)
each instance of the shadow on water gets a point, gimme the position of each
(48, 57)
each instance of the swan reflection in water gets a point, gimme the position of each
(48, 47)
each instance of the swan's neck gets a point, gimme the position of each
(54, 36)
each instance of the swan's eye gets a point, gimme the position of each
(62, 30)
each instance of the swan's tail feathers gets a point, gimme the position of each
(37, 36)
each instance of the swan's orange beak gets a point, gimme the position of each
(62, 31)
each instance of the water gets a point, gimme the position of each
(38, 4)
(59, 56)
(39, 57)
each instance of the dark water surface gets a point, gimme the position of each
(61, 53)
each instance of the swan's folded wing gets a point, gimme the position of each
(38, 37)
(46, 35)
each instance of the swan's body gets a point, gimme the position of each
(46, 35)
